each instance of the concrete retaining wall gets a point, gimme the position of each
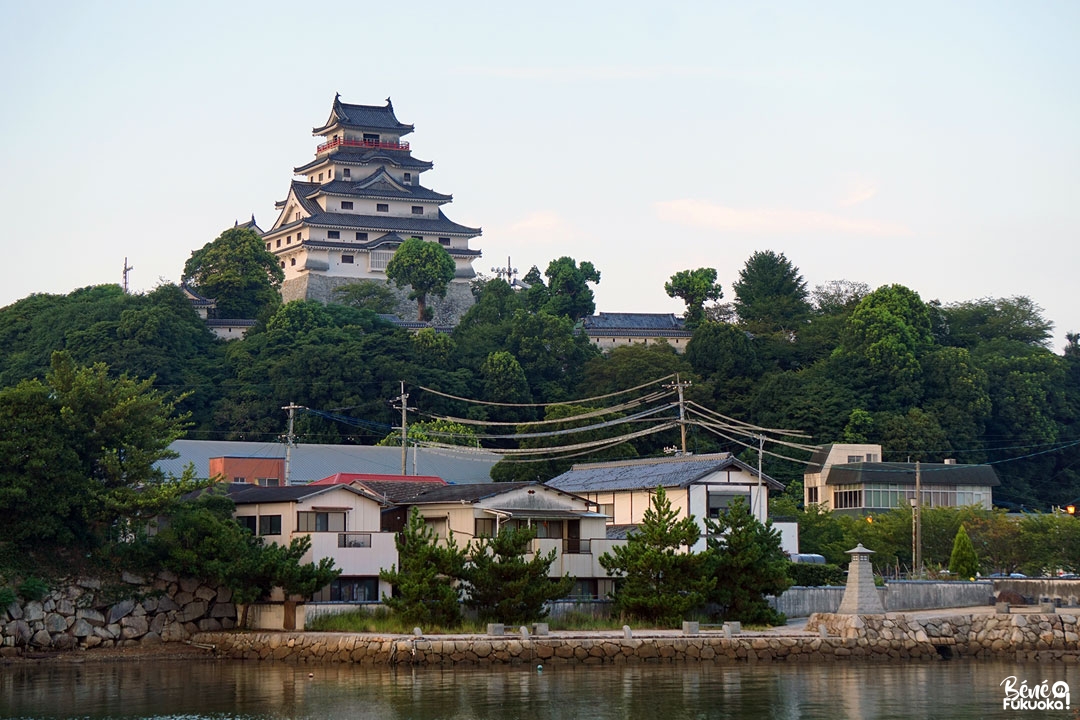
(871, 637)
(896, 597)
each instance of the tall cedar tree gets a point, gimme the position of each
(661, 580)
(425, 579)
(964, 561)
(747, 562)
(502, 586)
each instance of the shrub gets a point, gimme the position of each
(7, 597)
(810, 575)
(33, 588)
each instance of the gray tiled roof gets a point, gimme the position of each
(248, 494)
(904, 474)
(649, 473)
(352, 188)
(352, 156)
(467, 493)
(314, 462)
(368, 246)
(657, 322)
(365, 117)
(409, 225)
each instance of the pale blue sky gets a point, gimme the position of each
(930, 144)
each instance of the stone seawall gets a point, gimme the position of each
(87, 614)
(878, 638)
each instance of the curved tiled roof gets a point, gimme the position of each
(397, 158)
(651, 322)
(419, 225)
(363, 117)
(374, 244)
(380, 184)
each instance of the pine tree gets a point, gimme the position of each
(425, 579)
(505, 587)
(661, 580)
(964, 561)
(747, 561)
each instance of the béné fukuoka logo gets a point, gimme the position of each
(1041, 696)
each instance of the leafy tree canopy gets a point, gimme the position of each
(770, 294)
(425, 267)
(695, 288)
(237, 271)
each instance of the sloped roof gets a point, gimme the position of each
(648, 473)
(313, 462)
(353, 156)
(634, 321)
(904, 474)
(422, 224)
(394, 488)
(381, 184)
(248, 494)
(363, 117)
(467, 493)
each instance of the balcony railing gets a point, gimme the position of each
(344, 142)
(573, 546)
(354, 540)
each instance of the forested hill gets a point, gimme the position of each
(975, 381)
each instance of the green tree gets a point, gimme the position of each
(659, 579)
(501, 585)
(424, 266)
(425, 578)
(568, 292)
(367, 295)
(964, 562)
(770, 294)
(695, 288)
(748, 563)
(237, 271)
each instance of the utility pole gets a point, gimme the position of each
(290, 439)
(760, 452)
(682, 407)
(917, 518)
(404, 428)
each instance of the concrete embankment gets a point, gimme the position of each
(837, 638)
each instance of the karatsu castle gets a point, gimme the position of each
(355, 202)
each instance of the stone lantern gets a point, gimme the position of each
(860, 595)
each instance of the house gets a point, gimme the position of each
(698, 485)
(565, 523)
(343, 523)
(356, 202)
(310, 462)
(853, 479)
(610, 330)
(265, 471)
(395, 490)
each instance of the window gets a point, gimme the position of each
(382, 207)
(371, 137)
(719, 501)
(379, 259)
(292, 262)
(548, 528)
(269, 524)
(320, 522)
(846, 497)
(279, 242)
(871, 457)
(854, 458)
(408, 178)
(346, 204)
(444, 242)
(609, 510)
(267, 246)
(247, 522)
(333, 234)
(288, 240)
(347, 172)
(268, 482)
(320, 177)
(282, 264)
(296, 217)
(349, 589)
(354, 540)
(362, 237)
(484, 527)
(347, 259)
(584, 589)
(417, 209)
(812, 495)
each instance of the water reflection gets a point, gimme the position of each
(207, 689)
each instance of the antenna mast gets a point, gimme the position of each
(290, 439)
(127, 269)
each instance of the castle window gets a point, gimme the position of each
(382, 207)
(346, 204)
(292, 261)
(279, 242)
(444, 241)
(282, 264)
(320, 177)
(296, 217)
(408, 178)
(347, 172)
(371, 137)
(267, 246)
(347, 259)
(361, 236)
(417, 209)
(333, 234)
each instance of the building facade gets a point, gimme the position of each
(611, 330)
(356, 202)
(852, 479)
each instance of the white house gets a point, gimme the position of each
(698, 485)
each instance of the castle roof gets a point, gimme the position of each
(420, 225)
(657, 322)
(363, 117)
(374, 244)
(381, 184)
(352, 156)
